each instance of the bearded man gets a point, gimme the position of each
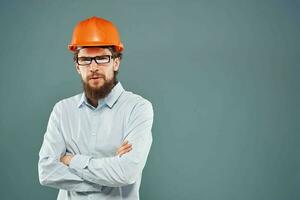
(97, 142)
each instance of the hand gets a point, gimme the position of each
(124, 148)
(66, 159)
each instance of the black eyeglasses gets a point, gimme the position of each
(98, 59)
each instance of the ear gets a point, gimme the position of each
(116, 64)
(77, 68)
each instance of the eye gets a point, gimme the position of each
(84, 60)
(103, 59)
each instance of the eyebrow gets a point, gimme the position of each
(94, 56)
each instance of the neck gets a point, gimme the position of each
(93, 102)
(93, 98)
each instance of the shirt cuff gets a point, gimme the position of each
(79, 162)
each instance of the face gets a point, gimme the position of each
(97, 79)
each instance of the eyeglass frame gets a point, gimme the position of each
(94, 58)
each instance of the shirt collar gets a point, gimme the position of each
(109, 100)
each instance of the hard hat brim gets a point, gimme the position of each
(73, 48)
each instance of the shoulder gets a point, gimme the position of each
(68, 103)
(136, 103)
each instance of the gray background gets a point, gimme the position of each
(222, 77)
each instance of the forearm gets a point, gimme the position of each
(54, 174)
(113, 171)
(105, 171)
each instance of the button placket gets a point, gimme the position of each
(93, 131)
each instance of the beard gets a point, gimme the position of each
(102, 91)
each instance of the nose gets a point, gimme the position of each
(94, 66)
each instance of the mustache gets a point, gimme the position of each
(96, 75)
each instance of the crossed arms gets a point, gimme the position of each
(124, 148)
(84, 173)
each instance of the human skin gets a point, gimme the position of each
(95, 74)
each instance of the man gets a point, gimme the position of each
(96, 143)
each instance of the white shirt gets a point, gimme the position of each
(93, 135)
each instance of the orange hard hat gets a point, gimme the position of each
(95, 31)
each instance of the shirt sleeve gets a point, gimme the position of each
(120, 171)
(52, 172)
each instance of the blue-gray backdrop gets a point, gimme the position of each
(222, 77)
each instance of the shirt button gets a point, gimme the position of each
(93, 133)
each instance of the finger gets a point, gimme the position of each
(124, 147)
(125, 151)
(123, 144)
(63, 159)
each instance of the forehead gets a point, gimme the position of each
(93, 51)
